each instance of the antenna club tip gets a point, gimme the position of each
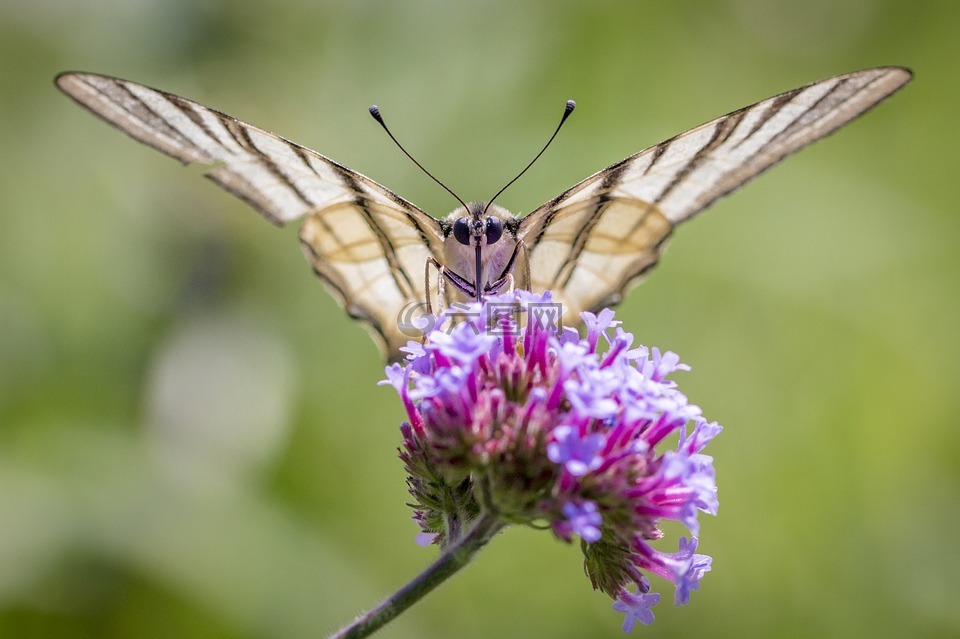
(375, 111)
(571, 105)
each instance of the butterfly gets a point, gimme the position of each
(588, 245)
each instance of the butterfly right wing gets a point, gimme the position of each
(602, 236)
(369, 245)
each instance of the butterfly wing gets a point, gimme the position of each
(368, 244)
(594, 241)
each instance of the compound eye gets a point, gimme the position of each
(494, 230)
(461, 231)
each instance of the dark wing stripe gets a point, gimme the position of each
(188, 110)
(798, 122)
(582, 240)
(149, 119)
(349, 178)
(611, 177)
(658, 152)
(168, 109)
(271, 166)
(404, 206)
(415, 223)
(775, 106)
(352, 183)
(609, 182)
(721, 133)
(386, 246)
(547, 221)
(154, 120)
(389, 252)
(305, 158)
(206, 119)
(414, 215)
(823, 107)
(767, 120)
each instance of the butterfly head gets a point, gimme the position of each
(472, 229)
(480, 241)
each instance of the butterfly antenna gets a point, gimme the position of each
(375, 112)
(567, 110)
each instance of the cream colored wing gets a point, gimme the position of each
(368, 244)
(599, 238)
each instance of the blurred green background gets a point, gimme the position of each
(191, 441)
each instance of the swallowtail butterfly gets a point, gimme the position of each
(587, 245)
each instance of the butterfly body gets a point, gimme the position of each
(588, 245)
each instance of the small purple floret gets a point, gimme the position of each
(424, 539)
(580, 519)
(636, 608)
(579, 455)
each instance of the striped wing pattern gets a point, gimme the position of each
(588, 245)
(602, 236)
(369, 245)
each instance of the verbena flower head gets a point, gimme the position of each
(540, 426)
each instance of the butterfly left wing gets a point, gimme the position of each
(602, 236)
(368, 245)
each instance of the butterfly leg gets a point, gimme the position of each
(444, 275)
(462, 285)
(426, 282)
(527, 281)
(441, 286)
(507, 274)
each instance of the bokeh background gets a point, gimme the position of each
(192, 444)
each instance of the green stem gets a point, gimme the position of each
(453, 558)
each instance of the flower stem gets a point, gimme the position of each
(454, 557)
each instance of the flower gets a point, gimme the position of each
(535, 425)
(636, 608)
(582, 519)
(579, 455)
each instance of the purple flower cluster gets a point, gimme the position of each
(537, 425)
